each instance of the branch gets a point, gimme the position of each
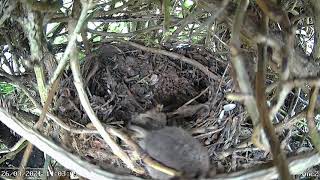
(38, 107)
(316, 16)
(62, 156)
(145, 157)
(78, 82)
(274, 12)
(313, 130)
(190, 61)
(297, 165)
(279, 158)
(72, 41)
(240, 71)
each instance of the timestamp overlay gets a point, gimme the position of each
(31, 173)
(311, 173)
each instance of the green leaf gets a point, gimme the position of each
(187, 4)
(6, 88)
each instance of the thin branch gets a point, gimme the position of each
(78, 82)
(72, 41)
(279, 128)
(240, 70)
(190, 61)
(145, 157)
(129, 34)
(12, 152)
(274, 12)
(313, 130)
(62, 156)
(287, 86)
(297, 165)
(279, 158)
(38, 107)
(316, 16)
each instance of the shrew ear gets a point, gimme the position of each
(150, 120)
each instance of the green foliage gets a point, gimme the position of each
(60, 40)
(120, 27)
(51, 28)
(6, 88)
(150, 41)
(81, 55)
(96, 39)
(3, 146)
(187, 4)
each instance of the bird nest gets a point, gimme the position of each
(224, 89)
(124, 82)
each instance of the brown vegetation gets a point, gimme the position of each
(241, 76)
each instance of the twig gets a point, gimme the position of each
(313, 130)
(297, 166)
(274, 12)
(279, 128)
(78, 82)
(32, 25)
(38, 110)
(196, 97)
(39, 124)
(208, 23)
(62, 156)
(289, 123)
(239, 97)
(240, 71)
(47, 103)
(83, 168)
(19, 146)
(220, 83)
(46, 167)
(287, 86)
(295, 103)
(187, 20)
(312, 81)
(190, 61)
(13, 148)
(316, 20)
(287, 54)
(279, 158)
(145, 157)
(72, 40)
(24, 161)
(129, 34)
